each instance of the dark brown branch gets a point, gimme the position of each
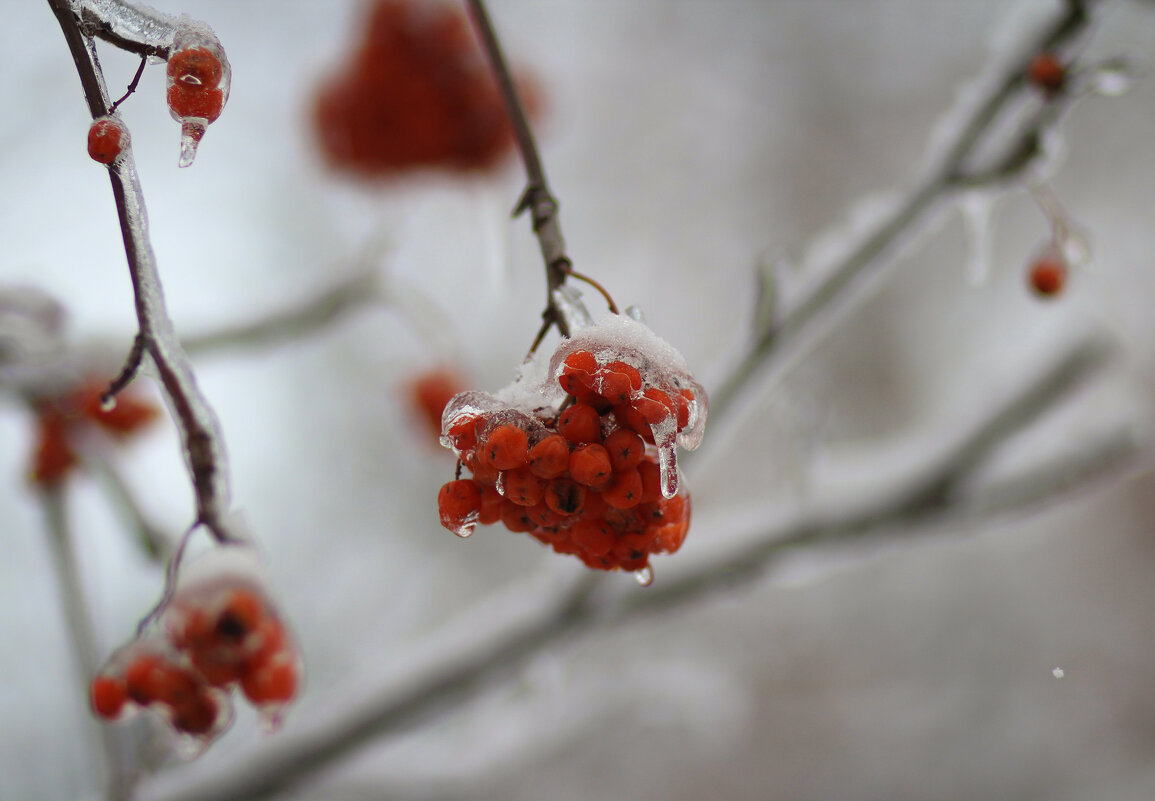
(537, 198)
(203, 448)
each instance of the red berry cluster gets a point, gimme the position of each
(218, 635)
(60, 419)
(416, 92)
(597, 479)
(106, 139)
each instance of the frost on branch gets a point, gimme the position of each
(219, 632)
(580, 451)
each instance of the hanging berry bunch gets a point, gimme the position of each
(582, 455)
(61, 420)
(198, 75)
(415, 93)
(219, 632)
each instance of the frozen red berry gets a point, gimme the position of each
(107, 137)
(1048, 276)
(1047, 72)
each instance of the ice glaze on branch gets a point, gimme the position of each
(788, 333)
(137, 29)
(204, 448)
(537, 198)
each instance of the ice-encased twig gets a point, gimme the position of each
(203, 445)
(129, 26)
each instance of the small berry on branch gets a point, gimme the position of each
(107, 137)
(1047, 275)
(1047, 72)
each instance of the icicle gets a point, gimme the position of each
(569, 302)
(191, 132)
(977, 209)
(665, 439)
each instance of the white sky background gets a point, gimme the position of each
(684, 138)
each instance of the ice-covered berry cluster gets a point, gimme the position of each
(582, 454)
(198, 78)
(220, 631)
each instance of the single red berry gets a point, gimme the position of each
(1047, 72)
(618, 381)
(462, 432)
(625, 491)
(523, 487)
(198, 103)
(1048, 276)
(593, 536)
(590, 465)
(625, 448)
(580, 423)
(197, 715)
(506, 448)
(54, 456)
(565, 496)
(550, 457)
(654, 405)
(108, 696)
(430, 392)
(274, 683)
(459, 503)
(106, 138)
(195, 67)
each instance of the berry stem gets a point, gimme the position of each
(135, 82)
(204, 449)
(537, 198)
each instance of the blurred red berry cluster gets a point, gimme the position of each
(218, 633)
(415, 92)
(597, 479)
(61, 419)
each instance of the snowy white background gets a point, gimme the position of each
(684, 138)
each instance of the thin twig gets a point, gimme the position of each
(776, 340)
(537, 198)
(135, 82)
(203, 446)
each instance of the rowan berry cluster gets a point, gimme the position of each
(62, 419)
(219, 632)
(593, 473)
(415, 92)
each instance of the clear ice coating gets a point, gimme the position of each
(191, 132)
(198, 81)
(644, 576)
(977, 209)
(135, 23)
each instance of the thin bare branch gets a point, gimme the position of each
(784, 338)
(298, 322)
(203, 446)
(537, 198)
